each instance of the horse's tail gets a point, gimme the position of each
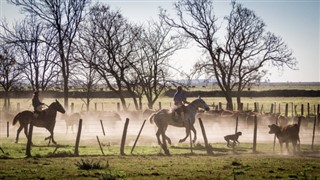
(16, 119)
(152, 117)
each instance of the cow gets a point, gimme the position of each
(286, 134)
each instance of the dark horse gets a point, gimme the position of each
(46, 119)
(163, 118)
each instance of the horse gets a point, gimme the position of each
(46, 119)
(163, 118)
(71, 120)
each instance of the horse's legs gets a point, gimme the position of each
(195, 134)
(187, 134)
(18, 132)
(158, 136)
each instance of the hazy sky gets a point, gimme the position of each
(296, 21)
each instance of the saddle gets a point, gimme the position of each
(179, 113)
(38, 114)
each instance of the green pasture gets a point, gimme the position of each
(148, 162)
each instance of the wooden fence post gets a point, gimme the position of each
(271, 109)
(208, 148)
(76, 147)
(254, 149)
(318, 115)
(118, 106)
(286, 110)
(124, 134)
(314, 130)
(102, 127)
(72, 107)
(29, 142)
(135, 142)
(237, 121)
(292, 114)
(7, 129)
(160, 106)
(308, 108)
(100, 145)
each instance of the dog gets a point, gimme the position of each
(233, 137)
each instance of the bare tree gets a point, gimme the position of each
(239, 60)
(86, 54)
(9, 74)
(157, 45)
(36, 57)
(63, 18)
(116, 39)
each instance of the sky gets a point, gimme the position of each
(296, 21)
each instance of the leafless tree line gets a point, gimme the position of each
(74, 42)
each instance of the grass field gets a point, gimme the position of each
(148, 162)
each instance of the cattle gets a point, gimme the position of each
(286, 134)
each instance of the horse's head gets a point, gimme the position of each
(200, 103)
(57, 106)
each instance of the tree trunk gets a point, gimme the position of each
(65, 93)
(229, 101)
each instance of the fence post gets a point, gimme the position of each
(160, 105)
(318, 115)
(118, 106)
(292, 114)
(302, 110)
(76, 148)
(29, 142)
(18, 106)
(102, 127)
(254, 149)
(7, 129)
(208, 148)
(100, 145)
(271, 109)
(237, 121)
(134, 145)
(124, 134)
(314, 130)
(286, 110)
(72, 107)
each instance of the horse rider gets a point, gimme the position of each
(37, 104)
(179, 101)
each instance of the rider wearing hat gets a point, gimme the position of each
(179, 101)
(37, 104)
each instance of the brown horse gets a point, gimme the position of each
(163, 118)
(46, 119)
